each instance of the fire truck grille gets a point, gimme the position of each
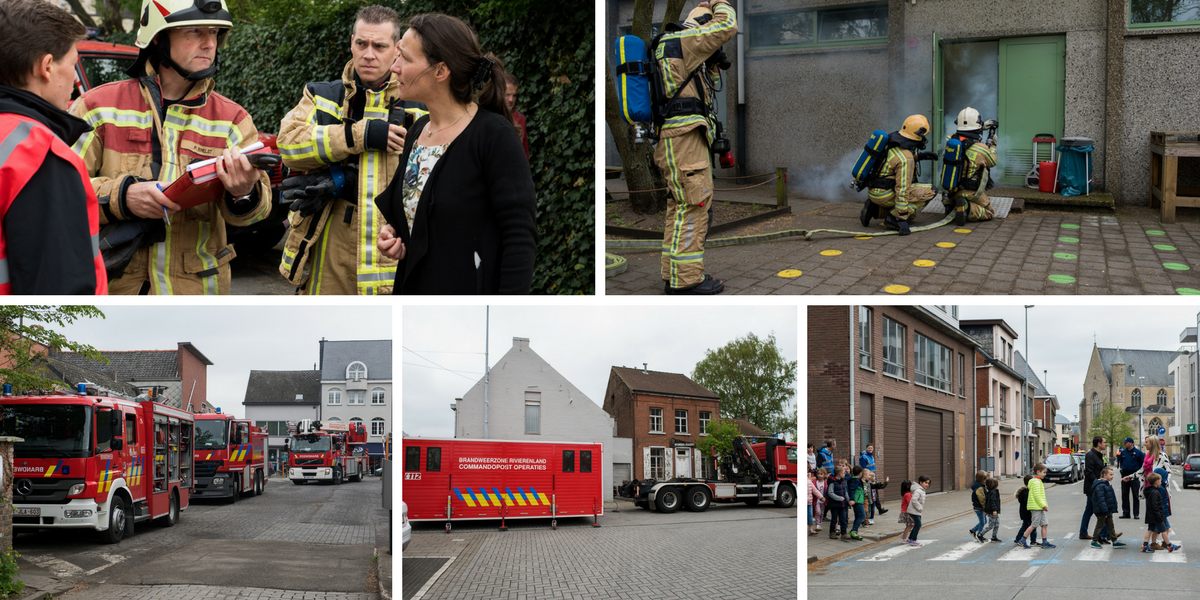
(307, 462)
(207, 468)
(42, 490)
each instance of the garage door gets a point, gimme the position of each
(891, 458)
(929, 447)
(621, 472)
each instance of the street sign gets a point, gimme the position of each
(1191, 428)
(1162, 430)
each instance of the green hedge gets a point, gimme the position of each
(547, 44)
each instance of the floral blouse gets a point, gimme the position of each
(420, 164)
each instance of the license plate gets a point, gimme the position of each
(29, 512)
(310, 476)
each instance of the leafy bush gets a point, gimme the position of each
(277, 47)
(10, 586)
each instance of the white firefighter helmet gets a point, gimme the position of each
(699, 16)
(968, 120)
(160, 15)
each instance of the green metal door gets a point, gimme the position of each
(1032, 100)
(939, 108)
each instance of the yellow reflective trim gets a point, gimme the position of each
(327, 106)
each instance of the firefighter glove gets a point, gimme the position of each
(719, 59)
(308, 193)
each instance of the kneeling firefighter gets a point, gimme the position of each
(689, 135)
(895, 190)
(971, 192)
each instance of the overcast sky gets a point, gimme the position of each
(1060, 338)
(236, 339)
(443, 346)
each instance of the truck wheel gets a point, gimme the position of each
(116, 522)
(260, 486)
(337, 477)
(697, 499)
(667, 500)
(786, 497)
(237, 491)
(172, 516)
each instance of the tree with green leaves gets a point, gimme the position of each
(1112, 423)
(719, 439)
(753, 378)
(26, 336)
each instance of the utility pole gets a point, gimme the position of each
(487, 315)
(1025, 399)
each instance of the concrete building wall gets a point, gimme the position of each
(566, 413)
(366, 411)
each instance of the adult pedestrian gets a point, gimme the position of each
(49, 214)
(866, 458)
(812, 458)
(510, 97)
(1155, 459)
(825, 456)
(464, 155)
(1093, 463)
(1131, 462)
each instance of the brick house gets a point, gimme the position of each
(895, 377)
(273, 398)
(665, 414)
(180, 376)
(998, 386)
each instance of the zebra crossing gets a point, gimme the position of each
(972, 552)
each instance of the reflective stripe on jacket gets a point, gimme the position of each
(680, 52)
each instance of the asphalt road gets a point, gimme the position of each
(316, 538)
(951, 565)
(255, 270)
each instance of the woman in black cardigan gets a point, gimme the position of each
(462, 214)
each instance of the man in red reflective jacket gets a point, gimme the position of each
(49, 217)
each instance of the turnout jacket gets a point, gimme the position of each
(679, 53)
(49, 217)
(132, 128)
(342, 122)
(900, 165)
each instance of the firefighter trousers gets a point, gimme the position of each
(335, 257)
(978, 209)
(915, 199)
(684, 162)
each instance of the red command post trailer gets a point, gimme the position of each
(473, 480)
(97, 462)
(231, 457)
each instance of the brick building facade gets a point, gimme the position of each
(998, 385)
(665, 415)
(895, 377)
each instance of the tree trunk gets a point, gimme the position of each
(110, 15)
(84, 17)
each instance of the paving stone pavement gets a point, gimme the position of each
(727, 551)
(1039, 251)
(203, 592)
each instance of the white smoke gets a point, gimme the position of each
(831, 184)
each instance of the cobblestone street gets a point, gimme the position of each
(730, 551)
(316, 538)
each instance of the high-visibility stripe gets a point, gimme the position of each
(518, 499)
(470, 502)
(481, 499)
(324, 105)
(496, 493)
(624, 88)
(186, 122)
(545, 500)
(324, 151)
(14, 138)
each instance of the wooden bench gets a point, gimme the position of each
(1166, 148)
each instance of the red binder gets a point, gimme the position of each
(200, 185)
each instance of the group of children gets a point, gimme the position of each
(840, 493)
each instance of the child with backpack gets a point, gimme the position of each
(916, 506)
(905, 519)
(991, 507)
(1165, 491)
(1023, 510)
(835, 493)
(857, 499)
(1156, 518)
(819, 502)
(978, 496)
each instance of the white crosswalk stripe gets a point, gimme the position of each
(1090, 554)
(1020, 554)
(961, 551)
(894, 551)
(1162, 556)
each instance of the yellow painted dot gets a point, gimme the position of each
(896, 289)
(830, 252)
(946, 244)
(924, 263)
(863, 237)
(790, 273)
(962, 231)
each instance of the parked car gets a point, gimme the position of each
(1191, 470)
(1062, 468)
(405, 528)
(105, 62)
(1177, 459)
(1080, 462)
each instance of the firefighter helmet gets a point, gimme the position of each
(698, 17)
(160, 15)
(968, 120)
(915, 127)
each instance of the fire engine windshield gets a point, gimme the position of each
(49, 431)
(210, 434)
(314, 443)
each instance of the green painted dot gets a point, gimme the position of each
(1188, 291)
(1165, 247)
(1065, 255)
(1062, 279)
(1069, 240)
(1176, 266)
(1069, 226)
(1156, 232)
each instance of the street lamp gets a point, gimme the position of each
(1025, 398)
(1141, 407)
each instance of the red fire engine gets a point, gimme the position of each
(231, 457)
(472, 480)
(97, 462)
(328, 452)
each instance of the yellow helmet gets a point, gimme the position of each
(915, 127)
(160, 15)
(699, 16)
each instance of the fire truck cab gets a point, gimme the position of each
(328, 452)
(104, 463)
(231, 457)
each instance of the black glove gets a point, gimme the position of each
(719, 59)
(927, 156)
(308, 194)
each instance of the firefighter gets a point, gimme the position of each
(980, 157)
(148, 129)
(682, 153)
(49, 217)
(896, 190)
(355, 125)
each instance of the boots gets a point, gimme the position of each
(869, 212)
(707, 287)
(900, 225)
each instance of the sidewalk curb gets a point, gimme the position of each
(383, 573)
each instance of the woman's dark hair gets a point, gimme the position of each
(448, 40)
(923, 479)
(905, 487)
